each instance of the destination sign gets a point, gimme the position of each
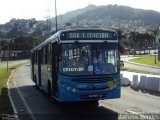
(88, 35)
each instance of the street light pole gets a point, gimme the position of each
(155, 57)
(56, 13)
(7, 54)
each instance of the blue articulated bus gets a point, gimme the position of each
(78, 65)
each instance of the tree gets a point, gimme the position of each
(21, 44)
(132, 39)
(121, 38)
(154, 31)
(3, 42)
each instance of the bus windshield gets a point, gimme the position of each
(89, 59)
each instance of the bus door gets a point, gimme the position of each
(55, 69)
(39, 66)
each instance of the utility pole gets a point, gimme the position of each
(48, 23)
(7, 52)
(155, 57)
(56, 14)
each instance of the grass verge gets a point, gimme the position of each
(4, 99)
(138, 71)
(5, 105)
(149, 60)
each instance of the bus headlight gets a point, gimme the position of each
(71, 89)
(113, 83)
(74, 90)
(68, 88)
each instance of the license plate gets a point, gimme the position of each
(94, 95)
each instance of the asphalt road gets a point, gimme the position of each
(33, 104)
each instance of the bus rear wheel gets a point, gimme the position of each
(35, 81)
(49, 90)
(50, 94)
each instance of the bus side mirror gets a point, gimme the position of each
(121, 63)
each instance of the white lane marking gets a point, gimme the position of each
(23, 100)
(9, 94)
(132, 112)
(142, 116)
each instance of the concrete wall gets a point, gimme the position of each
(141, 81)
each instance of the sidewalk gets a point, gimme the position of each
(140, 80)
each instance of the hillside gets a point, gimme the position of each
(70, 15)
(109, 13)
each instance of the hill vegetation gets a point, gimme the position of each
(112, 12)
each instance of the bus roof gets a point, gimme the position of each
(81, 36)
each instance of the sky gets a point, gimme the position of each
(39, 9)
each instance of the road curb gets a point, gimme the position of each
(10, 98)
(142, 65)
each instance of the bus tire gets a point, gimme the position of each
(49, 90)
(35, 81)
(93, 103)
(50, 94)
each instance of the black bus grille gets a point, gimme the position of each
(89, 80)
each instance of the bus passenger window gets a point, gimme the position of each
(49, 54)
(43, 55)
